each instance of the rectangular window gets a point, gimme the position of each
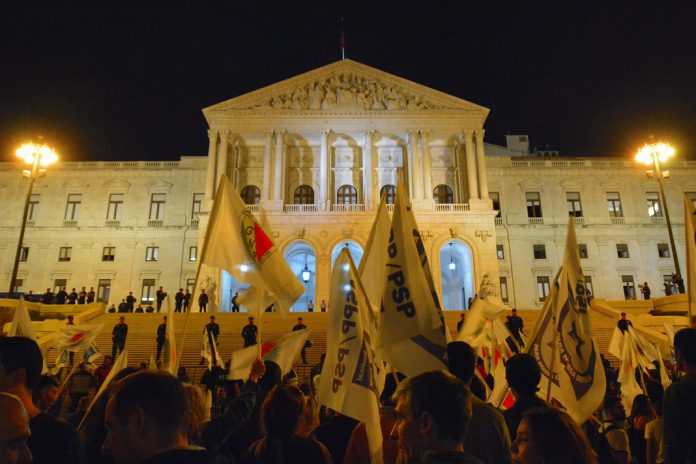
(654, 206)
(495, 198)
(24, 254)
(629, 288)
(108, 253)
(59, 284)
(19, 283)
(147, 294)
(189, 285)
(622, 250)
(588, 284)
(115, 209)
(64, 254)
(539, 251)
(663, 250)
(196, 207)
(614, 204)
(72, 210)
(152, 254)
(543, 287)
(501, 251)
(33, 206)
(533, 204)
(157, 201)
(193, 253)
(574, 205)
(503, 289)
(103, 290)
(582, 250)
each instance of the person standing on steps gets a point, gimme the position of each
(300, 326)
(178, 300)
(203, 301)
(310, 307)
(249, 333)
(161, 295)
(235, 305)
(322, 306)
(161, 336)
(118, 337)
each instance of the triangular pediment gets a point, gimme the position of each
(345, 85)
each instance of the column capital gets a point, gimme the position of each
(480, 132)
(468, 133)
(369, 131)
(268, 133)
(324, 131)
(212, 134)
(224, 134)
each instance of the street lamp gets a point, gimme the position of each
(38, 156)
(652, 154)
(305, 274)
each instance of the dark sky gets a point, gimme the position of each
(127, 80)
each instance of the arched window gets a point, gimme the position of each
(389, 192)
(304, 195)
(251, 195)
(442, 194)
(347, 195)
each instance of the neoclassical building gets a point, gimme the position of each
(312, 155)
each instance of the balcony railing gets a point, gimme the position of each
(579, 221)
(658, 220)
(297, 208)
(618, 220)
(390, 207)
(253, 208)
(155, 223)
(112, 223)
(30, 223)
(194, 223)
(347, 208)
(69, 223)
(498, 221)
(453, 207)
(535, 220)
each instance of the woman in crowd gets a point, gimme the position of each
(550, 436)
(635, 427)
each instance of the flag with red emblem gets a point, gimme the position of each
(76, 337)
(283, 351)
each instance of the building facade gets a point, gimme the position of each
(312, 155)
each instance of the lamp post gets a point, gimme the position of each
(652, 154)
(38, 156)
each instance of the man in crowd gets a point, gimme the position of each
(178, 300)
(102, 372)
(679, 406)
(187, 300)
(249, 333)
(300, 326)
(461, 322)
(80, 385)
(515, 325)
(614, 429)
(147, 421)
(213, 328)
(130, 301)
(72, 297)
(51, 440)
(235, 305)
(322, 306)
(523, 376)
(82, 296)
(202, 301)
(118, 337)
(160, 296)
(123, 306)
(91, 295)
(623, 323)
(433, 412)
(61, 296)
(46, 394)
(161, 335)
(645, 291)
(14, 431)
(47, 297)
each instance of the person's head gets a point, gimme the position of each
(46, 392)
(108, 360)
(121, 319)
(71, 318)
(685, 349)
(14, 431)
(271, 377)
(623, 315)
(523, 374)
(130, 293)
(462, 316)
(462, 360)
(282, 411)
(433, 411)
(640, 406)
(181, 289)
(20, 366)
(299, 320)
(251, 320)
(613, 409)
(48, 290)
(123, 300)
(147, 413)
(203, 290)
(514, 311)
(165, 319)
(212, 318)
(545, 434)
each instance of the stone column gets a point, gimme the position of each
(222, 155)
(266, 188)
(412, 162)
(324, 168)
(367, 169)
(471, 164)
(481, 162)
(278, 168)
(210, 173)
(427, 166)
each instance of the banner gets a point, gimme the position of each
(348, 382)
(373, 265)
(283, 351)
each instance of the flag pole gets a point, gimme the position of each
(553, 357)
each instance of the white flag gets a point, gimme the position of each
(373, 265)
(209, 350)
(234, 241)
(690, 237)
(76, 337)
(169, 359)
(283, 351)
(349, 377)
(616, 343)
(412, 332)
(21, 322)
(627, 373)
(576, 374)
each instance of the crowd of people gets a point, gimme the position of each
(437, 417)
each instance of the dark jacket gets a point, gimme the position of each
(120, 332)
(161, 332)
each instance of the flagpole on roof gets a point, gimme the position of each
(343, 41)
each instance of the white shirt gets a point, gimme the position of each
(655, 432)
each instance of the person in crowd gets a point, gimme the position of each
(123, 306)
(81, 384)
(139, 309)
(147, 421)
(14, 431)
(322, 306)
(433, 412)
(282, 412)
(187, 300)
(72, 297)
(235, 304)
(300, 326)
(160, 295)
(523, 375)
(179, 300)
(75, 417)
(461, 321)
(71, 354)
(149, 308)
(130, 301)
(667, 288)
(655, 437)
(161, 336)
(645, 291)
(112, 309)
(310, 307)
(488, 438)
(203, 301)
(46, 394)
(82, 296)
(515, 325)
(52, 440)
(640, 415)
(61, 296)
(91, 295)
(47, 297)
(101, 372)
(549, 435)
(334, 433)
(614, 429)
(118, 337)
(679, 283)
(679, 406)
(249, 333)
(623, 323)
(212, 330)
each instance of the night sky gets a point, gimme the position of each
(128, 80)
